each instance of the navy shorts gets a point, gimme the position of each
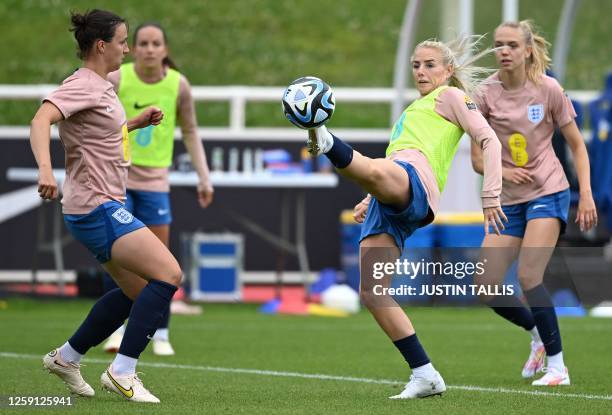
(101, 227)
(382, 218)
(152, 208)
(555, 205)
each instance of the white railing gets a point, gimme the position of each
(238, 98)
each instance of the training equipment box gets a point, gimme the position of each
(215, 265)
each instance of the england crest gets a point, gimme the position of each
(535, 113)
(123, 216)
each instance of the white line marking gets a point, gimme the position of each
(327, 377)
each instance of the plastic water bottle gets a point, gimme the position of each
(259, 160)
(233, 160)
(247, 160)
(217, 159)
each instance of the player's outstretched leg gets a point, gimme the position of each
(383, 178)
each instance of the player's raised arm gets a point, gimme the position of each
(459, 108)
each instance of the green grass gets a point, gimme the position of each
(271, 42)
(468, 346)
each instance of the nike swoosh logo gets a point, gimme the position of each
(128, 393)
(538, 206)
(141, 106)
(162, 212)
(58, 363)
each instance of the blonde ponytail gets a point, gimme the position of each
(461, 54)
(539, 60)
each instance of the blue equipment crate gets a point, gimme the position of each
(216, 266)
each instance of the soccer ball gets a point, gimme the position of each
(341, 297)
(308, 102)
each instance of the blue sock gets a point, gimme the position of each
(146, 316)
(511, 308)
(545, 318)
(341, 154)
(107, 314)
(410, 347)
(110, 284)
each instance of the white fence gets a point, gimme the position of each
(238, 98)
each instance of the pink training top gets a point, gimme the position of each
(524, 120)
(95, 139)
(456, 107)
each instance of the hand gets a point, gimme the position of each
(493, 217)
(47, 186)
(587, 213)
(150, 116)
(205, 195)
(516, 175)
(360, 210)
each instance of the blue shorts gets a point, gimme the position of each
(555, 205)
(101, 227)
(382, 218)
(152, 208)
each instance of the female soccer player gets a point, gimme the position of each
(523, 105)
(94, 132)
(154, 80)
(404, 188)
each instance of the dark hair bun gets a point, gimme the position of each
(78, 20)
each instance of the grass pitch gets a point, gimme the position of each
(232, 359)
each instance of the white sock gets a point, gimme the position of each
(68, 354)
(556, 361)
(535, 336)
(324, 139)
(426, 371)
(124, 365)
(162, 334)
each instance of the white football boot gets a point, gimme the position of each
(69, 372)
(419, 387)
(319, 141)
(553, 377)
(162, 348)
(535, 362)
(114, 342)
(129, 387)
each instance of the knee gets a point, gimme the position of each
(171, 274)
(528, 280)
(369, 300)
(176, 276)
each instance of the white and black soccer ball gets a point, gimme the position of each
(308, 102)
